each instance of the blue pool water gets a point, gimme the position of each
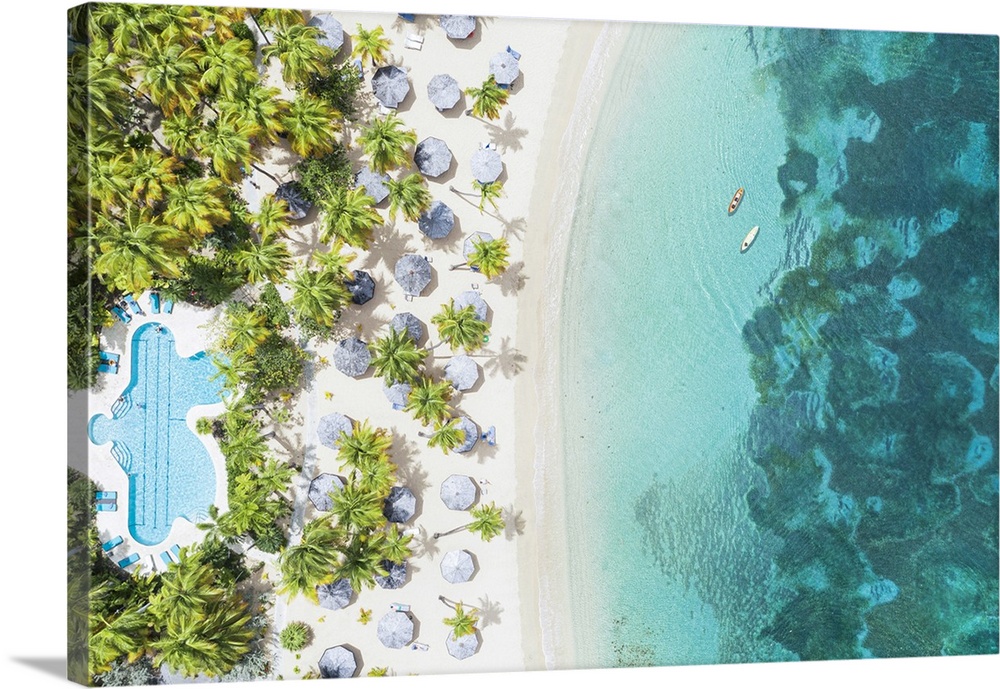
(170, 472)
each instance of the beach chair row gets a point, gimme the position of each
(128, 303)
(167, 556)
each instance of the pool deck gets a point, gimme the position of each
(190, 327)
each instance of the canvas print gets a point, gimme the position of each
(411, 344)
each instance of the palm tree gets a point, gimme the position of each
(97, 90)
(460, 327)
(378, 478)
(397, 358)
(272, 217)
(186, 588)
(127, 26)
(408, 195)
(367, 445)
(177, 24)
(170, 76)
(244, 329)
(357, 509)
(318, 295)
(109, 181)
(463, 623)
(310, 124)
(300, 53)
(349, 215)
(227, 143)
(278, 18)
(259, 109)
(488, 192)
(197, 206)
(133, 252)
(233, 370)
(210, 642)
(489, 256)
(428, 401)
(395, 546)
(360, 563)
(221, 20)
(487, 99)
(151, 173)
(385, 142)
(268, 259)
(487, 521)
(312, 561)
(336, 261)
(250, 511)
(181, 132)
(112, 636)
(370, 44)
(227, 65)
(447, 435)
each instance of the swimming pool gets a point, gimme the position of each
(170, 472)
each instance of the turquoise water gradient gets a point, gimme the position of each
(749, 438)
(170, 472)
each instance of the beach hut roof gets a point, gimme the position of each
(351, 357)
(486, 165)
(464, 646)
(475, 238)
(504, 67)
(373, 182)
(473, 299)
(471, 433)
(457, 566)
(400, 505)
(432, 157)
(362, 287)
(458, 26)
(331, 426)
(320, 489)
(333, 31)
(413, 273)
(408, 322)
(395, 576)
(336, 595)
(458, 492)
(291, 194)
(390, 85)
(338, 662)
(462, 371)
(395, 629)
(397, 394)
(437, 221)
(443, 91)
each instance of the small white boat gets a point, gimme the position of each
(748, 240)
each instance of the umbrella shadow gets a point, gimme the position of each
(518, 84)
(508, 360)
(514, 522)
(358, 658)
(508, 136)
(410, 96)
(512, 280)
(458, 109)
(448, 174)
(489, 612)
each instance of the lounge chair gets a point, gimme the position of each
(407, 17)
(107, 368)
(106, 495)
(110, 357)
(128, 561)
(134, 305)
(108, 546)
(414, 42)
(154, 302)
(361, 70)
(490, 436)
(107, 507)
(168, 306)
(514, 53)
(165, 556)
(123, 316)
(399, 607)
(417, 646)
(175, 550)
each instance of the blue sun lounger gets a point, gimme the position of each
(165, 556)
(107, 507)
(516, 55)
(133, 304)
(168, 306)
(108, 546)
(490, 436)
(110, 357)
(154, 302)
(106, 495)
(407, 17)
(128, 561)
(107, 368)
(176, 550)
(122, 315)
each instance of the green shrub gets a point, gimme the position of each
(295, 637)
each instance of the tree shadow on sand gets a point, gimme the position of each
(489, 612)
(424, 544)
(512, 280)
(388, 246)
(514, 522)
(506, 136)
(509, 361)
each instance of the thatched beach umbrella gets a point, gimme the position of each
(443, 91)
(331, 426)
(457, 566)
(413, 273)
(395, 577)
(291, 194)
(432, 157)
(351, 357)
(436, 222)
(397, 394)
(457, 26)
(473, 299)
(338, 662)
(458, 492)
(362, 287)
(373, 182)
(475, 238)
(336, 595)
(505, 68)
(462, 372)
(408, 322)
(320, 489)
(400, 505)
(395, 629)
(464, 646)
(332, 31)
(471, 434)
(486, 165)
(390, 85)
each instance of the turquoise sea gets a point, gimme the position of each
(788, 453)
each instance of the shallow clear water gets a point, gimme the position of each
(170, 472)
